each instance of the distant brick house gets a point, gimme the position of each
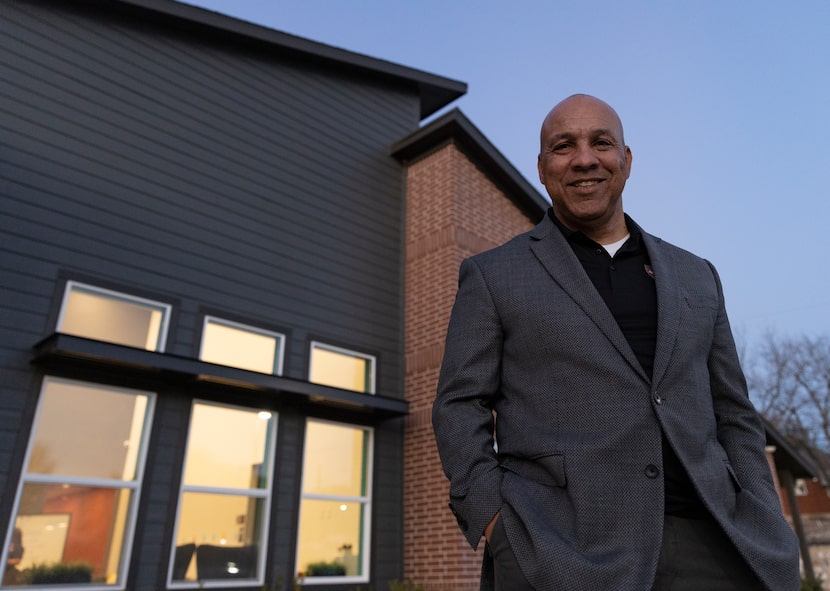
(805, 502)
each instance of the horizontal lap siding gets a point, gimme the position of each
(218, 178)
(212, 176)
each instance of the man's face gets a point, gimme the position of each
(584, 164)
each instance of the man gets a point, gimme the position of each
(625, 453)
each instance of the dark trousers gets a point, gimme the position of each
(508, 575)
(695, 556)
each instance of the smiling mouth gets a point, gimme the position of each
(581, 184)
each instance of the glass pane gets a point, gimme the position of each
(227, 447)
(331, 538)
(108, 317)
(218, 537)
(88, 430)
(237, 347)
(335, 460)
(340, 370)
(69, 534)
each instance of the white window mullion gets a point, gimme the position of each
(63, 479)
(67, 487)
(248, 492)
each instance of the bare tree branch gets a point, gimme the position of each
(789, 379)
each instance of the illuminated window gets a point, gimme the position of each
(238, 345)
(110, 316)
(336, 504)
(341, 368)
(75, 509)
(226, 490)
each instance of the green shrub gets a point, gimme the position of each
(59, 572)
(325, 569)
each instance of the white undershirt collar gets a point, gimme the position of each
(615, 246)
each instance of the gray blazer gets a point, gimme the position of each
(578, 472)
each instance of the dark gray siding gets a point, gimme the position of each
(209, 174)
(216, 177)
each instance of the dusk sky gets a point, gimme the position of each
(726, 108)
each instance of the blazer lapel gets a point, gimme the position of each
(668, 303)
(555, 254)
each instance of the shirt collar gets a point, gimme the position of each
(577, 237)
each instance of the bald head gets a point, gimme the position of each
(583, 102)
(584, 163)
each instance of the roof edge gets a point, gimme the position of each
(455, 126)
(435, 91)
(799, 464)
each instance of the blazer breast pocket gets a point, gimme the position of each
(700, 310)
(548, 469)
(701, 301)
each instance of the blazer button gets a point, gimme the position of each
(651, 471)
(657, 399)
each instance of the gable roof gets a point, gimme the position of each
(435, 91)
(455, 127)
(787, 456)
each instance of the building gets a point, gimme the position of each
(227, 260)
(202, 311)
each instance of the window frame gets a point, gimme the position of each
(372, 359)
(279, 337)
(117, 295)
(134, 486)
(265, 494)
(366, 501)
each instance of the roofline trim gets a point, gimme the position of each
(436, 91)
(455, 126)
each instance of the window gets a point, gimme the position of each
(110, 316)
(75, 508)
(238, 345)
(341, 368)
(224, 503)
(335, 506)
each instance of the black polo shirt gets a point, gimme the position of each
(626, 283)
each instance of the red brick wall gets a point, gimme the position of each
(816, 501)
(453, 211)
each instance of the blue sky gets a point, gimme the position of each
(726, 107)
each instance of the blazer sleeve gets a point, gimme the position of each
(740, 430)
(462, 413)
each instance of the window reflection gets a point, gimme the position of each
(70, 534)
(335, 460)
(223, 509)
(332, 366)
(109, 316)
(227, 447)
(330, 538)
(218, 537)
(245, 347)
(334, 510)
(102, 439)
(74, 517)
